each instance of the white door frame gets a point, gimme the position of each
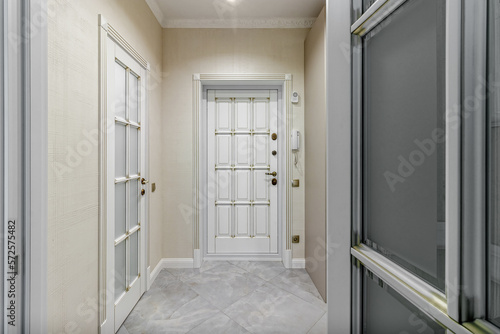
(203, 82)
(106, 276)
(31, 317)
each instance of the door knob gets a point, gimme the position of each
(144, 181)
(273, 174)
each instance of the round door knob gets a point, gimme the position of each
(274, 136)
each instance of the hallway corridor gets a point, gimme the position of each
(230, 297)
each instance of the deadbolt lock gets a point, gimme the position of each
(274, 182)
(273, 174)
(274, 136)
(274, 152)
(143, 192)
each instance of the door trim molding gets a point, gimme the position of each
(32, 92)
(200, 83)
(106, 305)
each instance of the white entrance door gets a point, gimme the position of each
(126, 191)
(242, 161)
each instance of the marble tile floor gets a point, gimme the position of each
(230, 297)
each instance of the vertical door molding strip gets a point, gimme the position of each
(106, 306)
(453, 153)
(29, 68)
(218, 79)
(197, 87)
(289, 165)
(474, 161)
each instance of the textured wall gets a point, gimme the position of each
(73, 151)
(189, 51)
(315, 159)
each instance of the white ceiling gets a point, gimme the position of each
(236, 13)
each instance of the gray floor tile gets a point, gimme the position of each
(163, 279)
(264, 270)
(122, 330)
(183, 274)
(182, 320)
(298, 282)
(224, 285)
(321, 326)
(159, 304)
(229, 297)
(219, 324)
(272, 310)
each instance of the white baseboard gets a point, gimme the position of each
(287, 259)
(197, 258)
(182, 263)
(298, 263)
(241, 258)
(148, 278)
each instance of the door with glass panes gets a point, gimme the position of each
(126, 178)
(242, 172)
(400, 124)
(426, 170)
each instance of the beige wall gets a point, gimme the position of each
(73, 153)
(189, 51)
(315, 159)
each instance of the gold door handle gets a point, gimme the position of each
(273, 174)
(144, 181)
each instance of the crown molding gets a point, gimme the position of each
(245, 23)
(157, 12)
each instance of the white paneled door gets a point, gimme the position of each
(242, 172)
(126, 183)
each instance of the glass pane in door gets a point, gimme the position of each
(134, 203)
(120, 150)
(120, 263)
(134, 151)
(385, 311)
(120, 90)
(404, 138)
(133, 98)
(120, 210)
(494, 158)
(134, 257)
